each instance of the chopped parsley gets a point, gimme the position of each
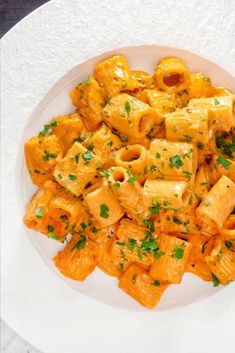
(132, 179)
(149, 224)
(121, 266)
(72, 177)
(48, 155)
(51, 232)
(81, 243)
(76, 158)
(224, 162)
(105, 173)
(104, 211)
(47, 128)
(187, 174)
(158, 254)
(87, 156)
(127, 107)
(155, 283)
(178, 252)
(225, 146)
(86, 82)
(229, 245)
(158, 155)
(177, 220)
(176, 162)
(215, 281)
(117, 185)
(110, 143)
(156, 206)
(216, 102)
(39, 212)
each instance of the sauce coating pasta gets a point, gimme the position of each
(142, 176)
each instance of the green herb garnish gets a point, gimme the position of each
(176, 162)
(104, 211)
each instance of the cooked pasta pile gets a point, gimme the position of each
(142, 175)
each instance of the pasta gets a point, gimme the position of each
(218, 203)
(171, 160)
(79, 167)
(134, 159)
(220, 109)
(194, 123)
(139, 180)
(129, 116)
(172, 75)
(115, 76)
(128, 192)
(89, 99)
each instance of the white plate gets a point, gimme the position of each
(57, 102)
(46, 311)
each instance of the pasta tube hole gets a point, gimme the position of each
(146, 122)
(172, 79)
(118, 176)
(131, 155)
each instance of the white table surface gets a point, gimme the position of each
(213, 20)
(12, 343)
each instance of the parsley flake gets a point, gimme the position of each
(87, 156)
(224, 162)
(176, 162)
(72, 177)
(39, 212)
(127, 107)
(104, 211)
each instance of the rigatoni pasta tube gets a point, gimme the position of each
(53, 212)
(188, 125)
(172, 75)
(219, 165)
(89, 99)
(228, 230)
(197, 264)
(221, 261)
(201, 86)
(218, 203)
(77, 259)
(141, 286)
(220, 111)
(144, 80)
(114, 75)
(171, 160)
(127, 245)
(134, 159)
(103, 205)
(67, 128)
(77, 169)
(169, 193)
(41, 155)
(128, 192)
(170, 266)
(161, 101)
(104, 144)
(129, 116)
